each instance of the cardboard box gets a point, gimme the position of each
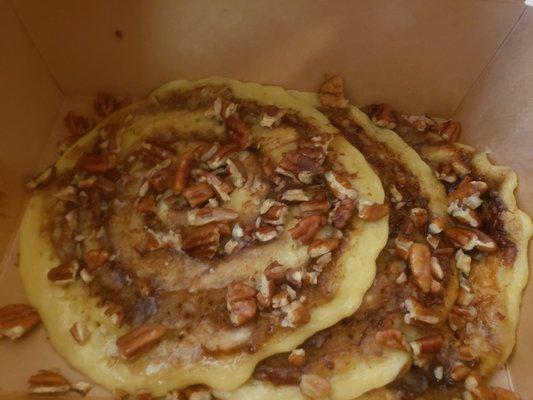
(466, 59)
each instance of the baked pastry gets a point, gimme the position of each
(194, 233)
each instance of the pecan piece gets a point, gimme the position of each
(295, 314)
(332, 93)
(183, 170)
(207, 215)
(322, 246)
(237, 172)
(16, 320)
(275, 271)
(369, 211)
(342, 213)
(266, 233)
(240, 303)
(80, 332)
(339, 184)
(419, 216)
(297, 358)
(275, 214)
(42, 179)
(238, 131)
(384, 116)
(78, 125)
(417, 312)
(64, 274)
(81, 387)
(464, 215)
(116, 314)
(48, 382)
(437, 224)
(221, 155)
(140, 340)
(97, 163)
(469, 192)
(450, 130)
(203, 242)
(392, 338)
(314, 386)
(445, 173)
(294, 195)
(146, 204)
(265, 293)
(402, 246)
(306, 228)
(95, 259)
(468, 238)
(198, 194)
(420, 264)
(315, 206)
(427, 345)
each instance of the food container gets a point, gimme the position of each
(466, 59)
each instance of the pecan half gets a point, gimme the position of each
(64, 274)
(95, 259)
(315, 386)
(80, 332)
(48, 382)
(16, 320)
(369, 211)
(420, 264)
(315, 206)
(78, 125)
(339, 184)
(305, 230)
(207, 215)
(140, 340)
(198, 194)
(42, 179)
(182, 173)
(332, 92)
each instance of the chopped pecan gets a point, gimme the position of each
(64, 274)
(332, 93)
(146, 204)
(419, 216)
(156, 151)
(203, 242)
(275, 271)
(140, 340)
(295, 314)
(339, 184)
(221, 187)
(97, 163)
(464, 215)
(237, 172)
(81, 387)
(427, 345)
(293, 162)
(420, 264)
(392, 338)
(468, 238)
(80, 332)
(369, 211)
(297, 358)
(295, 276)
(459, 371)
(268, 169)
(198, 194)
(418, 312)
(78, 125)
(320, 247)
(266, 233)
(295, 195)
(238, 131)
(48, 382)
(445, 173)
(16, 320)
(437, 224)
(281, 299)
(160, 179)
(315, 206)
(463, 262)
(241, 303)
(266, 291)
(276, 214)
(460, 166)
(342, 213)
(465, 297)
(450, 130)
(183, 170)
(116, 314)
(206, 215)
(42, 179)
(384, 116)
(468, 192)
(95, 259)
(402, 247)
(432, 240)
(314, 386)
(436, 269)
(306, 228)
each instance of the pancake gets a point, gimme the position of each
(372, 347)
(196, 232)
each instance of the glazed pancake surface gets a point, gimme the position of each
(197, 232)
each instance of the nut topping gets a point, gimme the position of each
(240, 303)
(198, 194)
(332, 93)
(463, 262)
(315, 386)
(427, 345)
(320, 247)
(402, 247)
(294, 195)
(420, 264)
(48, 382)
(315, 206)
(468, 238)
(468, 192)
(266, 233)
(42, 179)
(417, 312)
(436, 225)
(340, 185)
(275, 271)
(419, 216)
(221, 155)
(342, 213)
(369, 211)
(295, 314)
(450, 130)
(237, 172)
(81, 387)
(266, 291)
(297, 358)
(202, 242)
(95, 259)
(140, 340)
(64, 274)
(80, 333)
(306, 228)
(183, 170)
(206, 215)
(16, 320)
(464, 215)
